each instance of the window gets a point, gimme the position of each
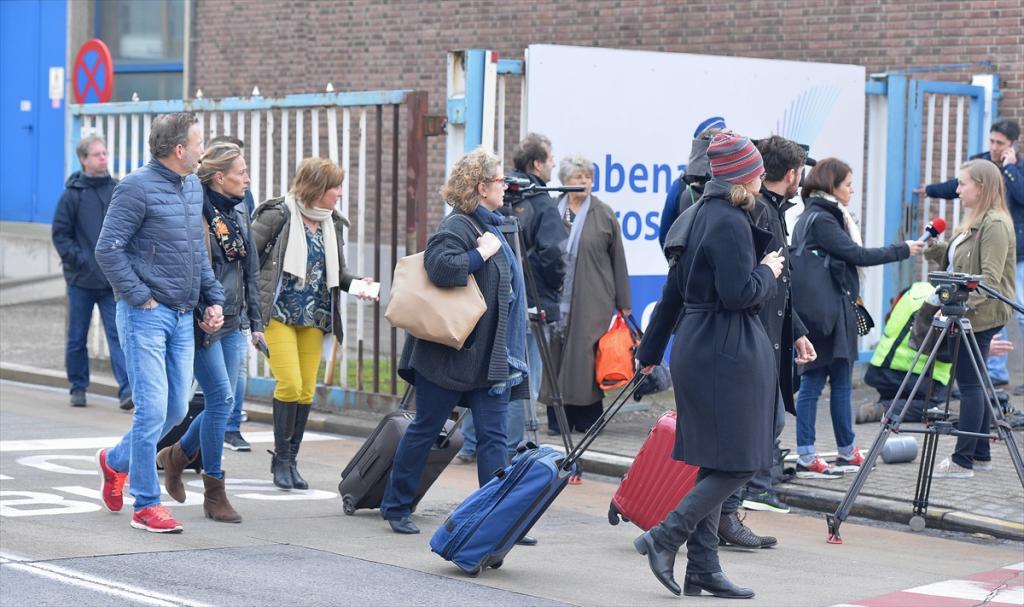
(146, 39)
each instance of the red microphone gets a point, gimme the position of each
(935, 227)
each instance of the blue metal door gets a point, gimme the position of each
(32, 40)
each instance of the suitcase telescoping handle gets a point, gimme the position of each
(410, 391)
(603, 420)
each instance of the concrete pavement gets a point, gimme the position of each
(298, 547)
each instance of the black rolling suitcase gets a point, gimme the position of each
(366, 477)
(195, 407)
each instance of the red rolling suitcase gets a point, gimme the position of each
(655, 483)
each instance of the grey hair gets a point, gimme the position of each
(82, 149)
(571, 164)
(168, 131)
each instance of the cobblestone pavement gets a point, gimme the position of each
(33, 334)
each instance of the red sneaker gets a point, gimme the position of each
(112, 483)
(157, 519)
(851, 464)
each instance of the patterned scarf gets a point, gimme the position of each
(219, 211)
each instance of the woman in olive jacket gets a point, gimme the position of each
(983, 244)
(722, 363)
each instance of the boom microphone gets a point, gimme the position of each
(935, 227)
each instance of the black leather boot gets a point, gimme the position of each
(284, 425)
(662, 562)
(732, 531)
(301, 417)
(715, 583)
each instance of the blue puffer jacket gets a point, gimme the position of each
(151, 244)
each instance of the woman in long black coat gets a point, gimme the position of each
(722, 364)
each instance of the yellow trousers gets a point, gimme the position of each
(295, 354)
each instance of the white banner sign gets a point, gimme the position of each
(633, 113)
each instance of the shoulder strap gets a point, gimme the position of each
(802, 246)
(471, 221)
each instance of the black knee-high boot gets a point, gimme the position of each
(284, 427)
(301, 417)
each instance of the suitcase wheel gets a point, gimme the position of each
(613, 514)
(348, 504)
(497, 565)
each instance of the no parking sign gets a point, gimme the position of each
(92, 77)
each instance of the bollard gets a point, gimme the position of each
(899, 450)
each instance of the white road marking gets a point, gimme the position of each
(1015, 566)
(972, 591)
(98, 442)
(94, 583)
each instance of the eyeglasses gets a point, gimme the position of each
(497, 180)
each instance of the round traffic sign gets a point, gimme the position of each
(92, 78)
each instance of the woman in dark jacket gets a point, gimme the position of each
(723, 364)
(223, 173)
(301, 244)
(490, 369)
(827, 232)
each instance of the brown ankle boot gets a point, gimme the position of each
(215, 502)
(174, 461)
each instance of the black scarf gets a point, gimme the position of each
(219, 211)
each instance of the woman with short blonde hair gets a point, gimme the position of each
(490, 369)
(300, 240)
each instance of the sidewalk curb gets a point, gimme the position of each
(809, 498)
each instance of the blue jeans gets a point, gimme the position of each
(997, 364)
(975, 411)
(158, 350)
(76, 353)
(235, 418)
(840, 375)
(216, 368)
(433, 406)
(516, 422)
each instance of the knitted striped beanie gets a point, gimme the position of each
(734, 158)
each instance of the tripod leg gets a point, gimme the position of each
(890, 423)
(924, 480)
(1002, 430)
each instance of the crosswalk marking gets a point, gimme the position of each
(98, 442)
(997, 588)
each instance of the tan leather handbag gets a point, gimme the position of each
(443, 315)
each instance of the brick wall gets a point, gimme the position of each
(298, 46)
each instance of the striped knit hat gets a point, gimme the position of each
(734, 158)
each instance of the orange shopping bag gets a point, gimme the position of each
(615, 349)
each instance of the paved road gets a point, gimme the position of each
(59, 547)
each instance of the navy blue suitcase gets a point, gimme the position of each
(487, 525)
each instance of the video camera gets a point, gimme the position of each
(953, 288)
(519, 187)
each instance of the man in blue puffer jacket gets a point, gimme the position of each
(152, 251)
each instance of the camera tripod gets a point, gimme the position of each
(513, 234)
(956, 329)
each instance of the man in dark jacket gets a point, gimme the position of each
(1002, 151)
(152, 250)
(76, 226)
(783, 163)
(690, 186)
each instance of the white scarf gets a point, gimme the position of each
(295, 253)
